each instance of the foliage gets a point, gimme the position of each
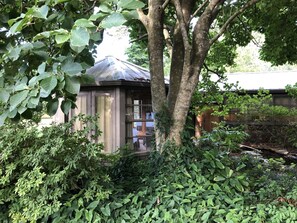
(223, 137)
(46, 47)
(56, 175)
(215, 93)
(207, 185)
(268, 18)
(50, 170)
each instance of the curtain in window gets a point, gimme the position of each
(103, 108)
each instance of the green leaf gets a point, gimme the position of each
(71, 68)
(105, 8)
(41, 12)
(20, 87)
(16, 27)
(2, 118)
(62, 38)
(60, 1)
(42, 35)
(4, 96)
(219, 164)
(84, 23)
(205, 216)
(14, 53)
(219, 178)
(79, 37)
(130, 14)
(130, 4)
(48, 84)
(52, 107)
(105, 210)
(72, 85)
(33, 102)
(93, 205)
(41, 68)
(115, 19)
(17, 99)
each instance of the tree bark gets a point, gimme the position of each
(193, 63)
(188, 56)
(153, 22)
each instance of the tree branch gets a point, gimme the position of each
(182, 23)
(198, 10)
(142, 17)
(231, 18)
(165, 4)
(139, 38)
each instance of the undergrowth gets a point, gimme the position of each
(58, 175)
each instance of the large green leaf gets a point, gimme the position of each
(52, 107)
(14, 53)
(17, 27)
(72, 85)
(66, 106)
(115, 19)
(2, 118)
(4, 96)
(84, 23)
(130, 4)
(33, 102)
(79, 37)
(62, 38)
(71, 68)
(47, 85)
(41, 12)
(17, 99)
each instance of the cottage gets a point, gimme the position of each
(121, 96)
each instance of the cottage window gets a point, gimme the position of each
(139, 122)
(92, 103)
(104, 109)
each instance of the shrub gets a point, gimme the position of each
(49, 170)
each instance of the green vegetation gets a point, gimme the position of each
(56, 175)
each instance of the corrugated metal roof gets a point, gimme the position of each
(113, 69)
(273, 80)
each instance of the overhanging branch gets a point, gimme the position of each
(231, 18)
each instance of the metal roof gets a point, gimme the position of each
(111, 69)
(273, 80)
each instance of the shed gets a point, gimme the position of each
(251, 82)
(121, 96)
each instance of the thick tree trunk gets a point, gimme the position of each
(188, 56)
(153, 22)
(193, 62)
(178, 54)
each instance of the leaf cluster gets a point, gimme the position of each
(46, 47)
(49, 169)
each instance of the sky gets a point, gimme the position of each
(115, 41)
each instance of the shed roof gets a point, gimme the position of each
(111, 69)
(273, 80)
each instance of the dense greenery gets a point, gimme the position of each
(56, 175)
(46, 47)
(50, 170)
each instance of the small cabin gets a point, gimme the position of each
(121, 97)
(251, 82)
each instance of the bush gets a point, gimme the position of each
(56, 175)
(49, 170)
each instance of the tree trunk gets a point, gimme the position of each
(154, 26)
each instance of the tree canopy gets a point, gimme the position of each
(46, 46)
